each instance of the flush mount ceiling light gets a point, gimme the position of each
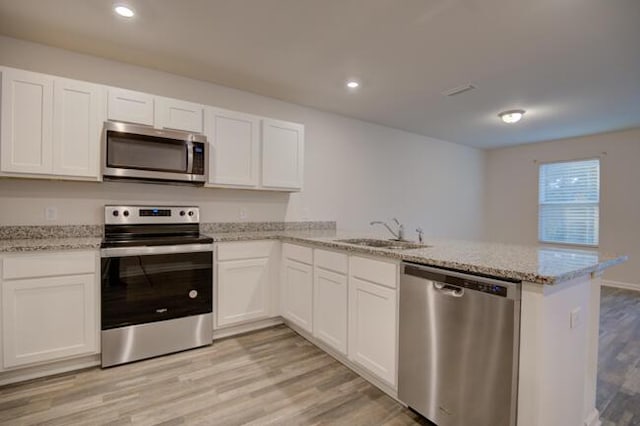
(123, 10)
(511, 116)
(352, 84)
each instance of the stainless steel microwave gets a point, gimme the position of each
(143, 153)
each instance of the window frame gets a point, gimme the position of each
(562, 243)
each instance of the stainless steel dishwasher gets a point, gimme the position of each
(459, 341)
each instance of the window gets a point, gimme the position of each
(569, 197)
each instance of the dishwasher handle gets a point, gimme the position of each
(448, 290)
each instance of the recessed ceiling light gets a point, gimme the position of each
(352, 84)
(125, 11)
(511, 116)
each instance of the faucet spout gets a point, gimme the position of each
(399, 234)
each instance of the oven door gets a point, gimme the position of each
(146, 284)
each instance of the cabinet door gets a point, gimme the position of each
(372, 328)
(282, 154)
(178, 115)
(297, 294)
(44, 319)
(26, 128)
(330, 308)
(130, 106)
(243, 291)
(234, 148)
(78, 113)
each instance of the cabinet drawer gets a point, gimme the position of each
(299, 253)
(331, 260)
(178, 115)
(375, 271)
(130, 106)
(48, 265)
(244, 250)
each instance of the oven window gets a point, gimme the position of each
(143, 289)
(129, 151)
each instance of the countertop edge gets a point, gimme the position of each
(86, 243)
(407, 256)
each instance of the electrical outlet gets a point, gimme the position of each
(51, 213)
(575, 318)
(243, 213)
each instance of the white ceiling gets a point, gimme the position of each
(574, 65)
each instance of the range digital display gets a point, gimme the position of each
(155, 212)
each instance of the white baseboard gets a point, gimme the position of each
(620, 284)
(593, 419)
(222, 333)
(50, 369)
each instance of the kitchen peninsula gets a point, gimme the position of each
(559, 301)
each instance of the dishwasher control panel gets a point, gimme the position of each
(490, 286)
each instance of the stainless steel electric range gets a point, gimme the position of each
(157, 283)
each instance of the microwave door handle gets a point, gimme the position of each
(189, 157)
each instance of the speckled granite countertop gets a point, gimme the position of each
(41, 244)
(538, 264)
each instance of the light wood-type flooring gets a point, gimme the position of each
(275, 377)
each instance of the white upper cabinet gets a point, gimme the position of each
(50, 126)
(26, 128)
(234, 147)
(282, 154)
(78, 114)
(178, 115)
(130, 106)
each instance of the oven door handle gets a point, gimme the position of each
(151, 250)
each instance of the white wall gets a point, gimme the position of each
(354, 171)
(512, 193)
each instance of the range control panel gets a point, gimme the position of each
(125, 215)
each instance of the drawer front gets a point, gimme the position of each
(130, 106)
(337, 262)
(244, 250)
(48, 265)
(298, 253)
(375, 271)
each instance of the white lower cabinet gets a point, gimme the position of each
(348, 303)
(297, 300)
(46, 318)
(244, 282)
(372, 327)
(242, 291)
(373, 313)
(330, 296)
(330, 308)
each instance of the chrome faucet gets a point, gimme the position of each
(399, 234)
(420, 235)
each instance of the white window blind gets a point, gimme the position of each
(569, 197)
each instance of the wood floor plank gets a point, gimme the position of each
(275, 377)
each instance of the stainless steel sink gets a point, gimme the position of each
(386, 244)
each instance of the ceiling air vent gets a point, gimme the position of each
(459, 90)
